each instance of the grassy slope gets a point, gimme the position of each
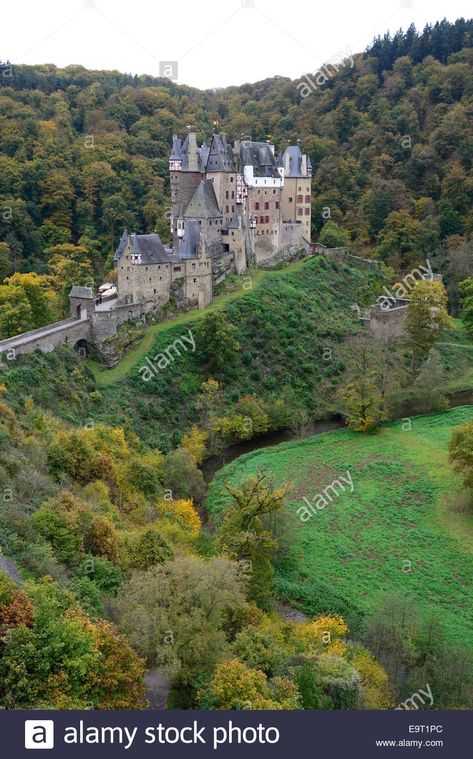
(283, 325)
(407, 505)
(456, 348)
(108, 376)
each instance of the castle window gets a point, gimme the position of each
(266, 206)
(150, 279)
(257, 206)
(195, 279)
(290, 200)
(299, 188)
(307, 211)
(233, 208)
(233, 194)
(177, 268)
(226, 194)
(277, 204)
(226, 209)
(155, 291)
(300, 199)
(307, 198)
(299, 211)
(231, 179)
(210, 223)
(267, 219)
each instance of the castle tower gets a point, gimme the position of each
(220, 170)
(296, 196)
(237, 242)
(185, 170)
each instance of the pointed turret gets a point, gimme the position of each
(175, 159)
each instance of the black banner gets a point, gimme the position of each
(332, 735)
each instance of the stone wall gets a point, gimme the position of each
(388, 323)
(236, 245)
(284, 257)
(69, 331)
(138, 282)
(265, 235)
(198, 281)
(292, 233)
(222, 267)
(295, 187)
(106, 323)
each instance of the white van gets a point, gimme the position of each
(105, 286)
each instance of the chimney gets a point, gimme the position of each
(304, 165)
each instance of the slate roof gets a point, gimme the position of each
(189, 244)
(234, 221)
(121, 245)
(203, 204)
(220, 156)
(149, 247)
(293, 152)
(189, 142)
(261, 157)
(203, 156)
(176, 154)
(81, 292)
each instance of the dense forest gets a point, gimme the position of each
(84, 153)
(112, 568)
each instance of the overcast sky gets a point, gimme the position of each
(215, 43)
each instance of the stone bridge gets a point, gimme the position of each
(90, 322)
(75, 331)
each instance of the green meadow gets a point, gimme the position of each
(406, 528)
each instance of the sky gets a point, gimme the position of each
(206, 43)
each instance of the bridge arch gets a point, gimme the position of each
(82, 348)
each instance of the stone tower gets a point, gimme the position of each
(185, 169)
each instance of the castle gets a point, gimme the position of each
(232, 207)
